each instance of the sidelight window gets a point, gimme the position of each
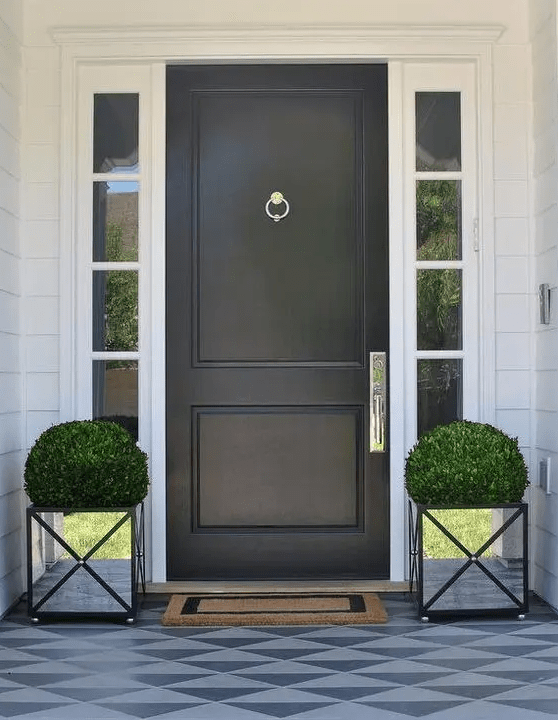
(440, 269)
(115, 188)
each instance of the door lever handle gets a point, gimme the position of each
(378, 403)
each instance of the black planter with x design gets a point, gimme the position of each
(468, 560)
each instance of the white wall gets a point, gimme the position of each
(545, 270)
(511, 114)
(509, 302)
(40, 234)
(11, 400)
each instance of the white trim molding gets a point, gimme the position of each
(243, 33)
(147, 49)
(318, 42)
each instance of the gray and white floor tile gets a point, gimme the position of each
(460, 670)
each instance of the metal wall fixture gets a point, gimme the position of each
(544, 475)
(544, 303)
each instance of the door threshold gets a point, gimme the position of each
(276, 586)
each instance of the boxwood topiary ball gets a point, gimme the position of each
(466, 463)
(86, 463)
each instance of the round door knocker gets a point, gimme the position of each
(276, 199)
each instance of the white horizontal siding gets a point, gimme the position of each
(512, 275)
(513, 351)
(10, 433)
(41, 277)
(42, 315)
(11, 402)
(512, 389)
(511, 236)
(36, 422)
(10, 563)
(42, 391)
(514, 305)
(9, 104)
(512, 301)
(9, 273)
(41, 241)
(10, 472)
(513, 313)
(43, 14)
(9, 231)
(544, 514)
(11, 585)
(10, 393)
(43, 354)
(517, 423)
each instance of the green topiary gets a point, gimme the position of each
(86, 463)
(465, 463)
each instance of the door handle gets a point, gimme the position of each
(378, 403)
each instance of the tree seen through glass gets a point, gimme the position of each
(121, 297)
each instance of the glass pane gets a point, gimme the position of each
(440, 393)
(474, 528)
(115, 221)
(72, 589)
(438, 131)
(439, 310)
(115, 392)
(439, 220)
(115, 310)
(115, 132)
(83, 530)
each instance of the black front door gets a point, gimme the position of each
(270, 321)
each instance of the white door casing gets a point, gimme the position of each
(134, 60)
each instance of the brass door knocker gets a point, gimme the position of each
(276, 199)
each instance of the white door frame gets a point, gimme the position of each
(148, 50)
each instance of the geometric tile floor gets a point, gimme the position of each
(460, 670)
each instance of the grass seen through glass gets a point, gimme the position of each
(83, 530)
(472, 527)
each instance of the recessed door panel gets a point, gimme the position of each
(287, 291)
(271, 468)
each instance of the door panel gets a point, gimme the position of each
(269, 323)
(299, 467)
(247, 311)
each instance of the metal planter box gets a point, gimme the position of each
(67, 583)
(482, 575)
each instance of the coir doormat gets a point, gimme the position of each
(275, 609)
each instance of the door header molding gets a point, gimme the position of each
(325, 41)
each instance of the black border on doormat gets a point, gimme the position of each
(364, 609)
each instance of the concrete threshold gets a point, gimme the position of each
(276, 586)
